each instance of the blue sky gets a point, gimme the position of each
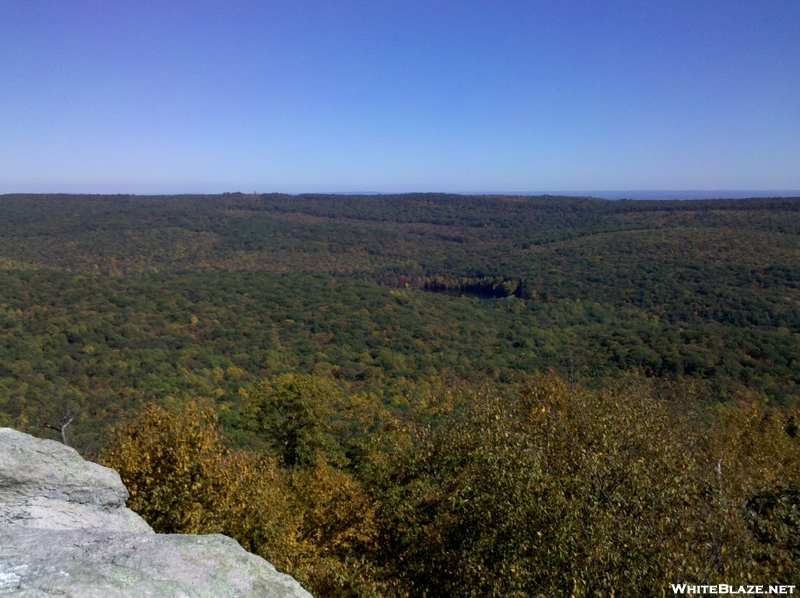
(462, 96)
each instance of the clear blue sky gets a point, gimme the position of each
(390, 96)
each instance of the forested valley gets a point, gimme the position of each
(426, 394)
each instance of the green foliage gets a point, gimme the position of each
(587, 493)
(774, 517)
(128, 299)
(546, 489)
(315, 523)
(180, 476)
(306, 419)
(381, 357)
(97, 346)
(296, 415)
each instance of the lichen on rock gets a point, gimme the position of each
(65, 531)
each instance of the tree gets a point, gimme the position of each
(587, 492)
(183, 479)
(304, 417)
(315, 523)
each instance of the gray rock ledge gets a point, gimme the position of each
(65, 531)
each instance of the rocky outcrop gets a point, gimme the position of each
(65, 531)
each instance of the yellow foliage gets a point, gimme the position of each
(183, 479)
(567, 490)
(551, 490)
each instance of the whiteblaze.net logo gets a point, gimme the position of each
(724, 588)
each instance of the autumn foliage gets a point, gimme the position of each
(182, 478)
(543, 488)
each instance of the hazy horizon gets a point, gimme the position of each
(638, 194)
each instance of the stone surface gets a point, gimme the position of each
(65, 531)
(44, 484)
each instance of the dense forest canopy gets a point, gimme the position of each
(113, 300)
(305, 338)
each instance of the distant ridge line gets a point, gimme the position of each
(666, 194)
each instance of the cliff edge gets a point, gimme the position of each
(65, 531)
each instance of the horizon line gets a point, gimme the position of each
(615, 194)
